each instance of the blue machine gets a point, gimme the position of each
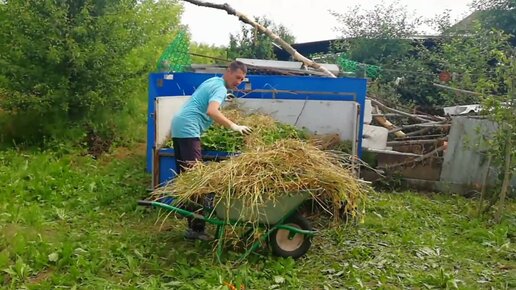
(317, 103)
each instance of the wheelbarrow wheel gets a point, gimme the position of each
(287, 244)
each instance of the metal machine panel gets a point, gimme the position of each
(322, 105)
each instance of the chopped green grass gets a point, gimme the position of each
(70, 221)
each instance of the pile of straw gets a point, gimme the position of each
(274, 161)
(268, 171)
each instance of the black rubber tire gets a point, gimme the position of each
(295, 251)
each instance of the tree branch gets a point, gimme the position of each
(421, 158)
(376, 102)
(425, 125)
(275, 38)
(416, 142)
(457, 90)
(418, 132)
(399, 115)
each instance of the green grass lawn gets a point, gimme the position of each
(72, 222)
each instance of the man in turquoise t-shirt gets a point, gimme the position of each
(195, 117)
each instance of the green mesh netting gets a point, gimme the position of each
(177, 56)
(359, 69)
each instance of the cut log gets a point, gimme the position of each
(386, 124)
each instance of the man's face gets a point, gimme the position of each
(234, 78)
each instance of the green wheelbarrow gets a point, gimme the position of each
(287, 232)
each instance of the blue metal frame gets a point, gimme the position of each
(261, 87)
(167, 162)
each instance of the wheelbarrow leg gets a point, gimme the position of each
(257, 244)
(220, 241)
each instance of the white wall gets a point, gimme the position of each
(320, 117)
(166, 108)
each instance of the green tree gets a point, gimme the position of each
(250, 43)
(377, 35)
(385, 36)
(207, 54)
(69, 68)
(473, 61)
(499, 14)
(502, 110)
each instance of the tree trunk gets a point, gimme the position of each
(244, 18)
(506, 180)
(484, 185)
(508, 141)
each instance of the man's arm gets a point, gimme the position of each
(217, 116)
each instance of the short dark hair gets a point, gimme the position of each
(236, 65)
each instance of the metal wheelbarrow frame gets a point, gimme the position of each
(288, 233)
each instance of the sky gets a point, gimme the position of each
(307, 20)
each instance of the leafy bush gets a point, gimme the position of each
(72, 67)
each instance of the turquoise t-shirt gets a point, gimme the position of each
(191, 121)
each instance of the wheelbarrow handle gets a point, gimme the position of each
(180, 211)
(145, 202)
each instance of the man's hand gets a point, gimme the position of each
(241, 129)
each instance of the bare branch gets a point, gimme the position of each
(413, 116)
(418, 132)
(400, 115)
(425, 125)
(457, 90)
(424, 136)
(416, 142)
(419, 159)
(275, 38)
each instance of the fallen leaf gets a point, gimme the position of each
(53, 257)
(279, 280)
(230, 286)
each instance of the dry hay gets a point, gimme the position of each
(275, 160)
(268, 171)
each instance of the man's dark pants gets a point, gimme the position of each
(188, 151)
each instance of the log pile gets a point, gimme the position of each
(415, 132)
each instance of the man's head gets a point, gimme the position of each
(235, 74)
